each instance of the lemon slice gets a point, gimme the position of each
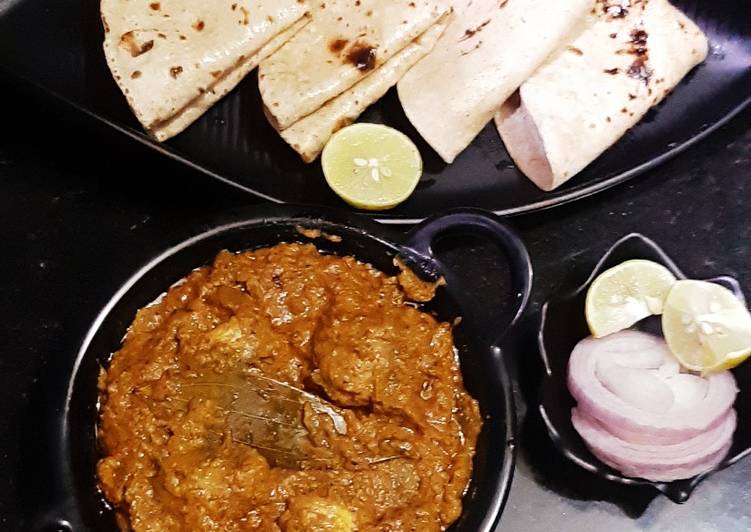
(371, 166)
(625, 294)
(706, 327)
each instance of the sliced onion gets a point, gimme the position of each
(657, 462)
(630, 383)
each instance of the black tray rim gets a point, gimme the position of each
(575, 194)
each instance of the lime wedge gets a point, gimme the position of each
(706, 327)
(371, 166)
(625, 294)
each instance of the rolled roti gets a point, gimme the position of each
(173, 59)
(346, 41)
(486, 53)
(309, 135)
(584, 99)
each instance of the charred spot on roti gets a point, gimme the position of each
(337, 45)
(216, 73)
(246, 16)
(631, 96)
(615, 9)
(611, 71)
(106, 26)
(640, 68)
(613, 35)
(183, 37)
(475, 47)
(135, 74)
(369, 13)
(357, 3)
(155, 6)
(199, 25)
(638, 38)
(470, 32)
(342, 122)
(502, 4)
(175, 71)
(233, 7)
(575, 50)
(362, 56)
(129, 41)
(161, 35)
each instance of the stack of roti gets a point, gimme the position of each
(630, 56)
(343, 61)
(564, 79)
(173, 59)
(489, 49)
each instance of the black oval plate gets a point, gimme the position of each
(56, 46)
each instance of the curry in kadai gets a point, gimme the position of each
(329, 325)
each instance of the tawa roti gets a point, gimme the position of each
(174, 59)
(582, 101)
(346, 41)
(486, 53)
(309, 135)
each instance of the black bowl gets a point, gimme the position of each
(563, 325)
(74, 502)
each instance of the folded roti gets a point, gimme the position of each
(179, 122)
(309, 135)
(486, 53)
(346, 41)
(173, 59)
(584, 99)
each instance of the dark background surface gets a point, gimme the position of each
(81, 208)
